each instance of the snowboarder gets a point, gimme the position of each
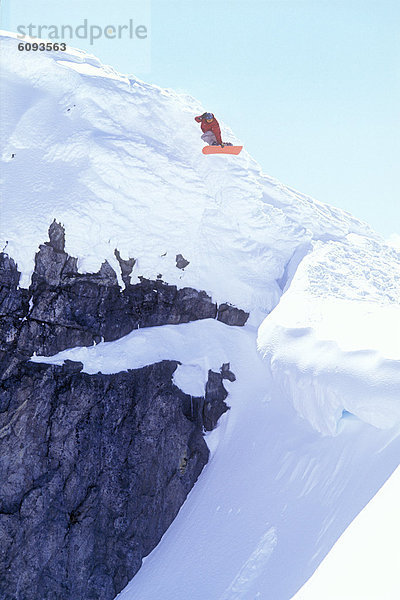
(212, 136)
(210, 128)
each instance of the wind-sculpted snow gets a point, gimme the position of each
(332, 343)
(188, 343)
(357, 268)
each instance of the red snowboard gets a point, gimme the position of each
(222, 150)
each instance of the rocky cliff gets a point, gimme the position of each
(93, 468)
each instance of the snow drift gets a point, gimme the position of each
(332, 343)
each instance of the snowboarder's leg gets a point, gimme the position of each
(209, 138)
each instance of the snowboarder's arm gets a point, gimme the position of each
(200, 118)
(217, 132)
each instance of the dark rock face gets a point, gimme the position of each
(56, 237)
(126, 266)
(14, 303)
(230, 315)
(206, 411)
(227, 373)
(83, 309)
(93, 470)
(181, 262)
(214, 402)
(64, 308)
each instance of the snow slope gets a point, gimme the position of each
(117, 159)
(313, 429)
(275, 494)
(373, 537)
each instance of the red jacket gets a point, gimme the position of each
(213, 126)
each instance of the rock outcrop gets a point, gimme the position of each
(181, 262)
(93, 468)
(207, 410)
(230, 315)
(64, 308)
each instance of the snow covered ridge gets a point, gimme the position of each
(119, 163)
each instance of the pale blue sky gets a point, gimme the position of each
(312, 87)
